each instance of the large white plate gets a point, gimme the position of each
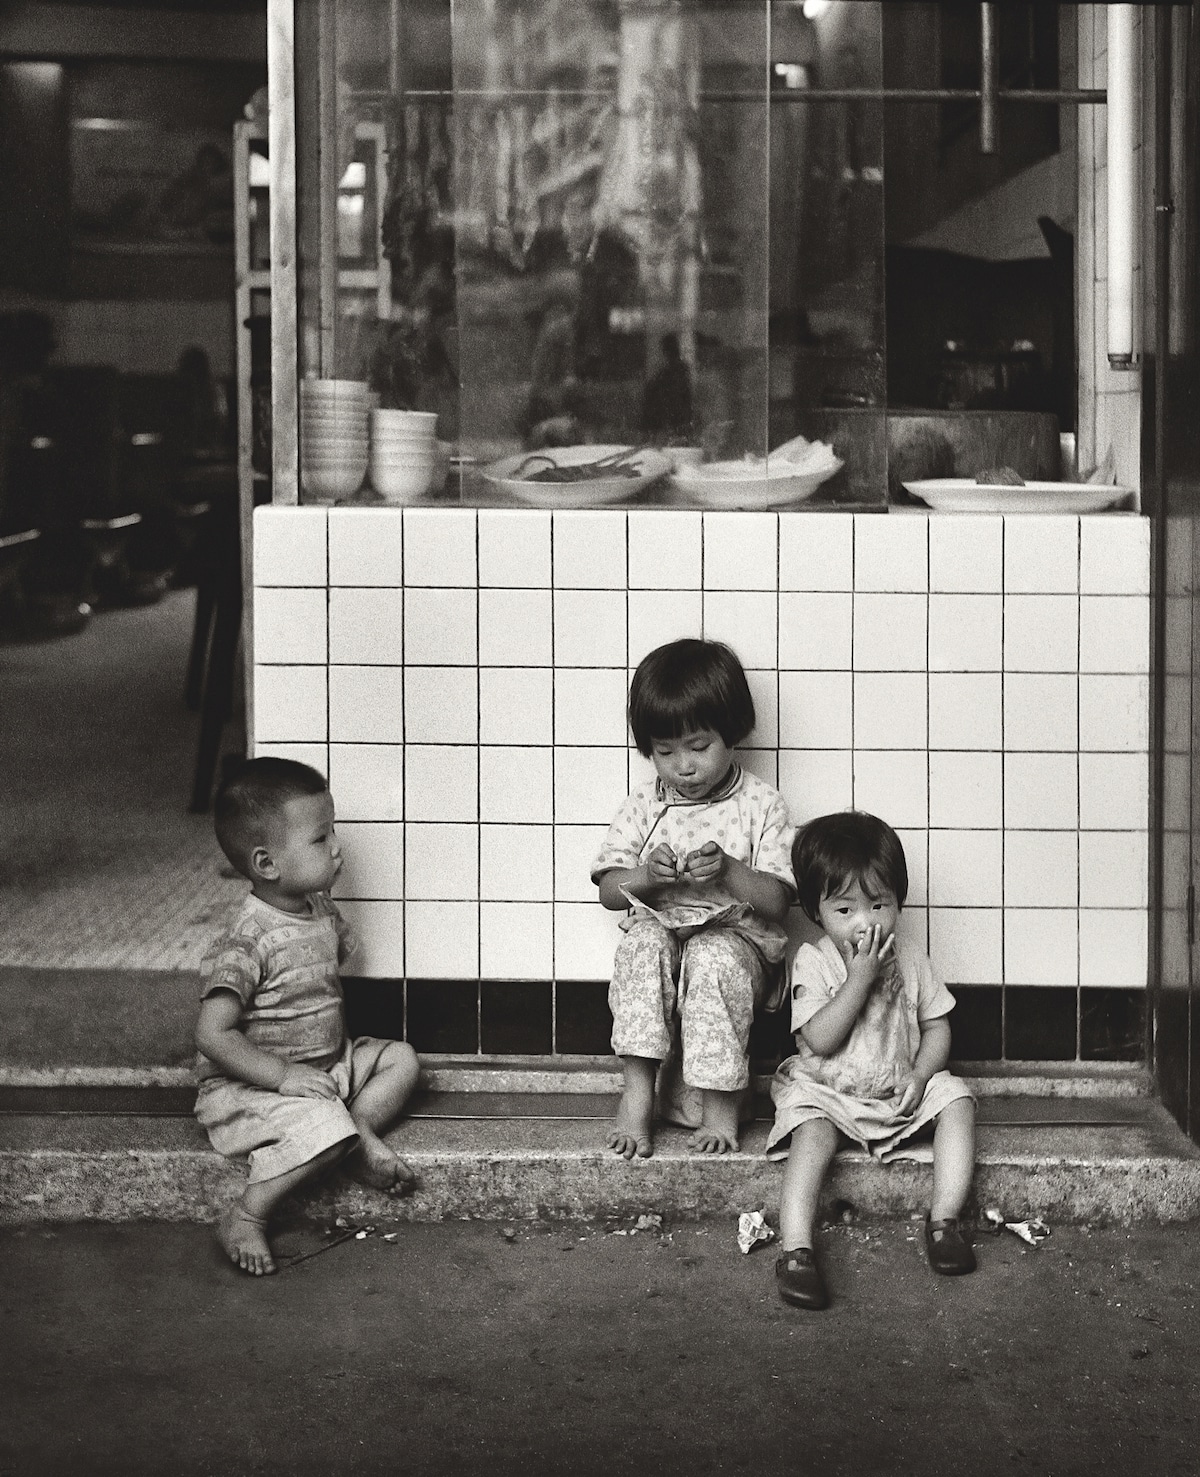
(595, 492)
(739, 491)
(965, 495)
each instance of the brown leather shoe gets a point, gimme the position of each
(948, 1250)
(799, 1279)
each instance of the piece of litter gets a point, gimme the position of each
(994, 1219)
(752, 1228)
(1033, 1231)
(360, 1235)
(647, 1223)
(509, 1234)
(389, 1236)
(341, 1223)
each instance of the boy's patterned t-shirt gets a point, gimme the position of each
(283, 967)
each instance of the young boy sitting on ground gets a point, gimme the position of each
(279, 1080)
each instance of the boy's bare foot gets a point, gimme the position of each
(718, 1131)
(243, 1237)
(373, 1163)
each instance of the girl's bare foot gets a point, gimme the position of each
(243, 1237)
(629, 1136)
(718, 1131)
(373, 1163)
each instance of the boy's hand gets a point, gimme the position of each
(661, 866)
(707, 864)
(873, 951)
(301, 1080)
(914, 1091)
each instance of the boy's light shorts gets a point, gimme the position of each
(282, 1133)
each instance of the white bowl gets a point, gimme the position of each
(339, 452)
(334, 387)
(401, 483)
(342, 414)
(424, 420)
(332, 482)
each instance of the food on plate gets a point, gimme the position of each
(999, 477)
(796, 458)
(540, 466)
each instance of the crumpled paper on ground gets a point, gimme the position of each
(752, 1228)
(1033, 1232)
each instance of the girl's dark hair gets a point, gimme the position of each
(252, 794)
(689, 685)
(850, 846)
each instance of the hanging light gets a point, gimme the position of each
(815, 8)
(1122, 214)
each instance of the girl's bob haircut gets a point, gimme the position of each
(850, 846)
(686, 686)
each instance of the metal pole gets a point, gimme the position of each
(989, 77)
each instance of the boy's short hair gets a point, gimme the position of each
(251, 795)
(689, 685)
(849, 846)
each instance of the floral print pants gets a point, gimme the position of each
(709, 985)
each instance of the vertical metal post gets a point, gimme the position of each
(281, 135)
(989, 77)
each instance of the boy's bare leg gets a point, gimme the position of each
(631, 1134)
(718, 1131)
(242, 1229)
(953, 1159)
(813, 1146)
(374, 1110)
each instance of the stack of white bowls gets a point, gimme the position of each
(334, 437)
(405, 456)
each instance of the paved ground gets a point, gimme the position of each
(570, 1349)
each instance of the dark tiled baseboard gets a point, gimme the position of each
(571, 1018)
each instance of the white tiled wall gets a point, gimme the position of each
(980, 682)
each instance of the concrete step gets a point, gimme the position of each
(519, 1142)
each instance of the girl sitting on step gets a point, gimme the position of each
(872, 1043)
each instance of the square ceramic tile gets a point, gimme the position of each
(815, 710)
(367, 781)
(514, 547)
(440, 628)
(891, 553)
(372, 860)
(665, 549)
(516, 941)
(891, 710)
(441, 782)
(1114, 556)
(290, 704)
(890, 632)
(440, 547)
(816, 632)
(1114, 713)
(366, 626)
(589, 550)
(1114, 633)
(575, 849)
(815, 782)
(1041, 869)
(366, 705)
(516, 785)
(516, 863)
(965, 790)
(589, 628)
(1041, 946)
(516, 705)
(964, 710)
(316, 756)
(1113, 947)
(290, 626)
(741, 551)
(442, 861)
(441, 941)
(290, 546)
(589, 706)
(893, 785)
(516, 628)
(913, 927)
(366, 546)
(1041, 791)
(966, 869)
(589, 785)
(965, 633)
(966, 555)
(659, 616)
(379, 928)
(1041, 710)
(1113, 869)
(816, 551)
(1041, 554)
(1041, 633)
(441, 705)
(965, 945)
(746, 622)
(916, 859)
(585, 940)
(761, 762)
(641, 767)
(1114, 792)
